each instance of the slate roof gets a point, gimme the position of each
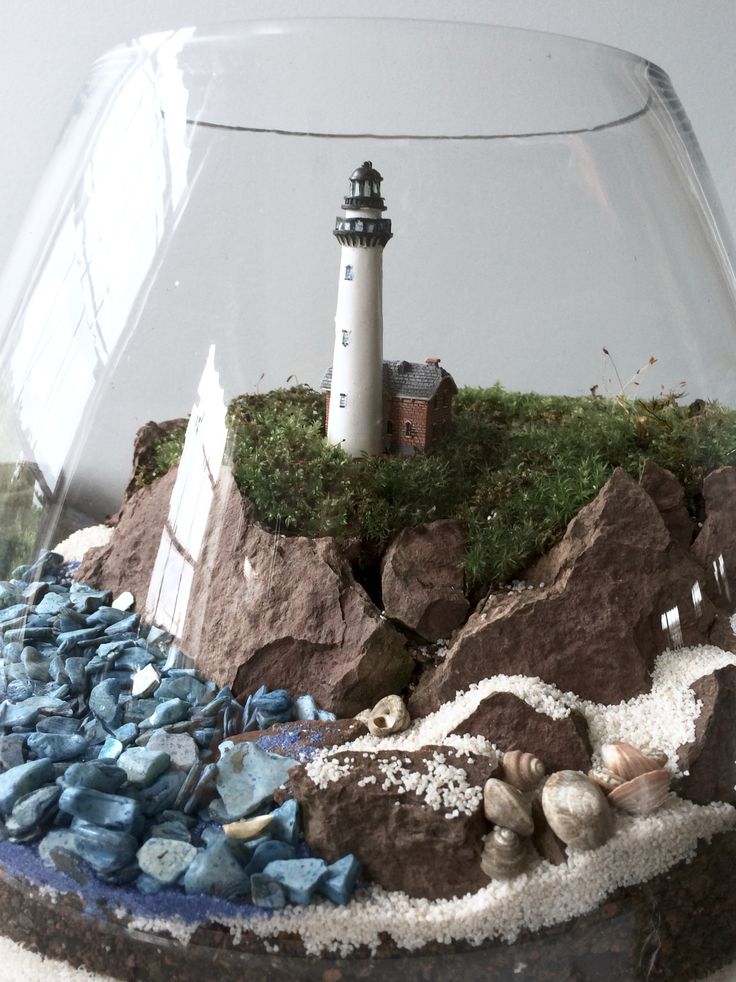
(405, 379)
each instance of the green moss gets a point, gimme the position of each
(161, 457)
(515, 468)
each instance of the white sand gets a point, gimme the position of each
(74, 547)
(18, 964)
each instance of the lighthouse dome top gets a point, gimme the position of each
(366, 172)
(365, 189)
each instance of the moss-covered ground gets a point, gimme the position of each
(515, 468)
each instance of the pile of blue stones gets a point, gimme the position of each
(116, 755)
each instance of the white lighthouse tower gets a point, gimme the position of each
(356, 399)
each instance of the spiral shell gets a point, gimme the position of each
(507, 807)
(505, 855)
(642, 794)
(626, 761)
(521, 769)
(389, 715)
(576, 810)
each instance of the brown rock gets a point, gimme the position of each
(402, 842)
(617, 592)
(721, 634)
(512, 724)
(252, 607)
(669, 496)
(422, 579)
(715, 546)
(711, 757)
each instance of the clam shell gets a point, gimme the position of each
(576, 810)
(605, 778)
(389, 715)
(642, 794)
(507, 807)
(626, 761)
(505, 855)
(521, 769)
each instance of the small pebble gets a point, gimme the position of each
(142, 767)
(165, 859)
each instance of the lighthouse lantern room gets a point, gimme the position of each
(356, 406)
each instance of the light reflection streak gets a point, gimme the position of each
(190, 505)
(81, 301)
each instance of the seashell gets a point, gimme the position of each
(507, 807)
(505, 855)
(658, 757)
(625, 760)
(389, 715)
(576, 810)
(642, 794)
(521, 769)
(247, 828)
(605, 778)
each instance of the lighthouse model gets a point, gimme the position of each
(356, 405)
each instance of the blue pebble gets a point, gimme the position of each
(32, 812)
(100, 775)
(305, 707)
(162, 794)
(106, 616)
(132, 659)
(266, 892)
(129, 623)
(106, 850)
(248, 776)
(13, 613)
(86, 599)
(52, 603)
(299, 877)
(285, 822)
(57, 746)
(23, 779)
(126, 733)
(166, 713)
(110, 749)
(58, 724)
(182, 687)
(70, 639)
(268, 851)
(110, 811)
(11, 750)
(143, 766)
(273, 707)
(103, 701)
(216, 871)
(339, 883)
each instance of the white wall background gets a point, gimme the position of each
(46, 47)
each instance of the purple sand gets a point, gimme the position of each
(97, 897)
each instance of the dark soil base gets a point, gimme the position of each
(679, 926)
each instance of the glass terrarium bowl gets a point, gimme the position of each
(549, 339)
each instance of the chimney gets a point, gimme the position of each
(432, 361)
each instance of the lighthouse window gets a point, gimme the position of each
(348, 275)
(345, 338)
(343, 400)
(358, 225)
